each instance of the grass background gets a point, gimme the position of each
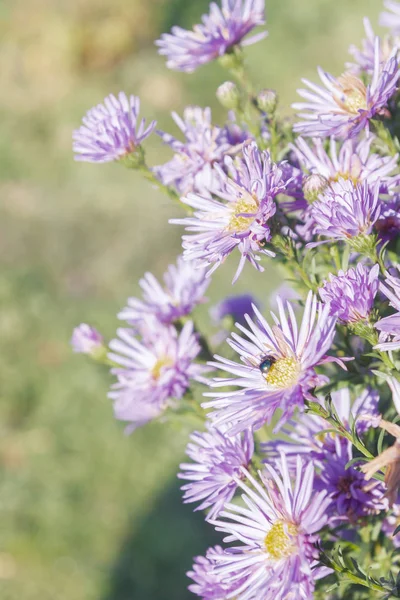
(85, 512)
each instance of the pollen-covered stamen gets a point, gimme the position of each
(351, 93)
(247, 205)
(165, 361)
(323, 437)
(345, 176)
(280, 541)
(283, 373)
(352, 175)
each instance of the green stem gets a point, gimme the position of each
(305, 278)
(206, 352)
(376, 257)
(166, 189)
(367, 331)
(235, 65)
(385, 136)
(365, 583)
(275, 138)
(334, 251)
(318, 410)
(189, 404)
(136, 161)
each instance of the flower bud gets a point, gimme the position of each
(267, 101)
(364, 244)
(228, 95)
(87, 340)
(313, 186)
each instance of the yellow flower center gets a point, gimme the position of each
(279, 541)
(321, 437)
(355, 101)
(354, 92)
(353, 175)
(165, 361)
(283, 373)
(238, 223)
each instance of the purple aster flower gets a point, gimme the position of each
(277, 530)
(352, 161)
(111, 130)
(87, 340)
(345, 106)
(365, 57)
(390, 326)
(346, 211)
(304, 435)
(154, 373)
(208, 585)
(391, 19)
(392, 521)
(351, 294)
(217, 461)
(185, 285)
(220, 30)
(352, 497)
(239, 215)
(277, 368)
(192, 167)
(388, 224)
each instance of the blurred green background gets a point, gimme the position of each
(87, 513)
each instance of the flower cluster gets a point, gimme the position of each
(352, 497)
(154, 356)
(290, 455)
(153, 372)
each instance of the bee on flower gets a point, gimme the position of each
(276, 368)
